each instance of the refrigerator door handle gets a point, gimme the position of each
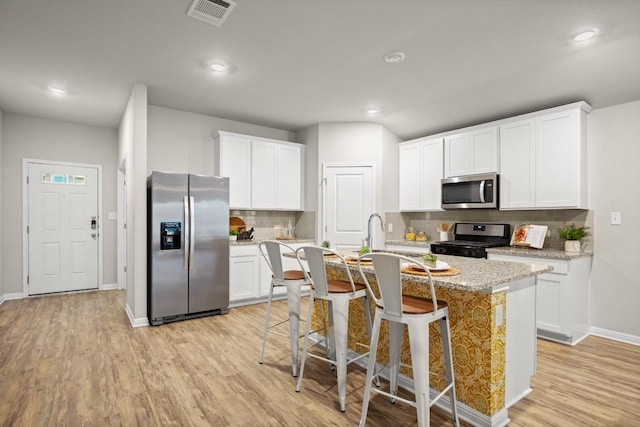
(192, 230)
(186, 236)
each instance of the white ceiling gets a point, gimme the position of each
(299, 62)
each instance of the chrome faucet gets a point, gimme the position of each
(370, 232)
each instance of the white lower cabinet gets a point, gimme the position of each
(562, 297)
(250, 276)
(244, 272)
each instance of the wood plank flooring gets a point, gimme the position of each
(74, 360)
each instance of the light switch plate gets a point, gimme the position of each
(616, 218)
(113, 215)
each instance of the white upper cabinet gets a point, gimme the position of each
(517, 165)
(543, 161)
(420, 171)
(471, 152)
(234, 161)
(409, 167)
(264, 173)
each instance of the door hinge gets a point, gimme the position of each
(125, 268)
(27, 279)
(27, 179)
(125, 225)
(27, 229)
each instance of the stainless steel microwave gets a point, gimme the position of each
(470, 192)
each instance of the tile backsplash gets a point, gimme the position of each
(263, 222)
(554, 219)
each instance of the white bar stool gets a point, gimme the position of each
(293, 280)
(338, 294)
(416, 313)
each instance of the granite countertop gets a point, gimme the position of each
(507, 250)
(538, 253)
(255, 242)
(476, 274)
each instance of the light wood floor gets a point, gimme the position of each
(74, 360)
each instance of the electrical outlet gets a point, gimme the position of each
(499, 315)
(616, 218)
(390, 228)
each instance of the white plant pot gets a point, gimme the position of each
(572, 246)
(233, 237)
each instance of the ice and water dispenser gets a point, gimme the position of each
(170, 235)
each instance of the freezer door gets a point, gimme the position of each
(167, 281)
(209, 259)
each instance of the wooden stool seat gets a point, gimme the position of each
(294, 275)
(341, 286)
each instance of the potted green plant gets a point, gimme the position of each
(364, 250)
(572, 236)
(326, 244)
(233, 235)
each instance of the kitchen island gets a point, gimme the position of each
(493, 332)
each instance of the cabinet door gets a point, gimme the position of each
(458, 155)
(263, 175)
(517, 165)
(243, 277)
(432, 172)
(289, 177)
(484, 146)
(235, 163)
(409, 178)
(557, 159)
(550, 307)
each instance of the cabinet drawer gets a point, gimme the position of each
(245, 250)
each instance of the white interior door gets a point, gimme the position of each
(62, 228)
(348, 202)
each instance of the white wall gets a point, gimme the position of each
(29, 137)
(613, 187)
(179, 141)
(355, 143)
(132, 146)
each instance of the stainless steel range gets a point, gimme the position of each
(473, 239)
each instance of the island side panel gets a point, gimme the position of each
(478, 342)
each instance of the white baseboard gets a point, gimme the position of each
(616, 336)
(7, 297)
(108, 286)
(136, 323)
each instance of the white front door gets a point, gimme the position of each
(348, 202)
(62, 228)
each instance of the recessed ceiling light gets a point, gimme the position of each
(218, 67)
(586, 35)
(373, 111)
(394, 57)
(56, 90)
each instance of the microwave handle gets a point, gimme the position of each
(482, 191)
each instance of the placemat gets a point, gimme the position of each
(354, 261)
(417, 271)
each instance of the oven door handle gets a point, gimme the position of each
(482, 191)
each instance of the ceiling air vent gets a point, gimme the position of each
(211, 11)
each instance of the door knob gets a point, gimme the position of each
(93, 235)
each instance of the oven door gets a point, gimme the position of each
(470, 192)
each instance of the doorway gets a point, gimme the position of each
(61, 207)
(348, 200)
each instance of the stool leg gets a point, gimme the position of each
(305, 345)
(340, 309)
(396, 332)
(373, 349)
(367, 315)
(419, 343)
(445, 336)
(294, 291)
(266, 324)
(331, 341)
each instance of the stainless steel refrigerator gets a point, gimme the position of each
(188, 246)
